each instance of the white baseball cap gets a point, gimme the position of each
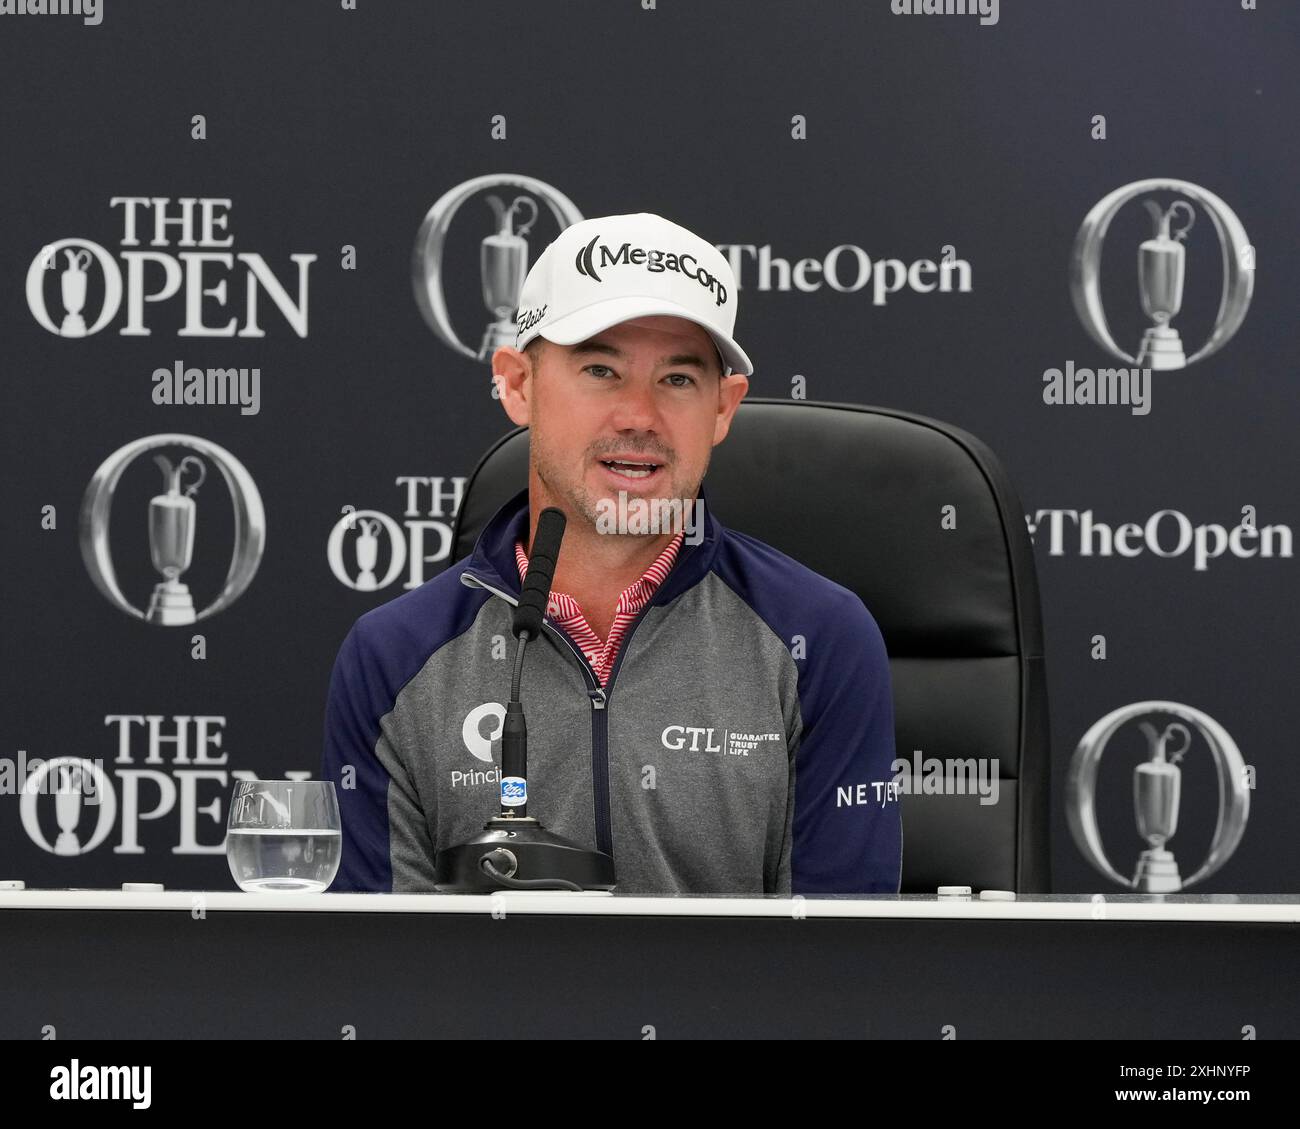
(603, 271)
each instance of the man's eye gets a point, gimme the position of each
(682, 376)
(604, 369)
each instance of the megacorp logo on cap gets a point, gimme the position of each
(655, 260)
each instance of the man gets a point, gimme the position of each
(710, 712)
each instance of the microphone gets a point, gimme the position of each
(515, 851)
(526, 624)
(541, 572)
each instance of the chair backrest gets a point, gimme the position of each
(920, 519)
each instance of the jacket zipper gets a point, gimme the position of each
(599, 712)
(599, 742)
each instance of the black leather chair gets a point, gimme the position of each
(859, 494)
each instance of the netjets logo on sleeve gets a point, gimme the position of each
(588, 262)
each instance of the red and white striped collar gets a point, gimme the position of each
(563, 607)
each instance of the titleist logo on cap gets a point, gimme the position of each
(526, 319)
(654, 260)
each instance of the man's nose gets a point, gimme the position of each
(636, 408)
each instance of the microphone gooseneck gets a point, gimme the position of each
(526, 624)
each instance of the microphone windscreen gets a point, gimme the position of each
(541, 571)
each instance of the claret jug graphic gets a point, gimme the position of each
(171, 540)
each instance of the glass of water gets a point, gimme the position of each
(284, 835)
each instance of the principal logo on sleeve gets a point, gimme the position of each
(481, 733)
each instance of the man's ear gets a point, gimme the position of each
(512, 371)
(730, 393)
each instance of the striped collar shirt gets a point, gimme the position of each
(564, 612)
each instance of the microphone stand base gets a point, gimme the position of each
(526, 855)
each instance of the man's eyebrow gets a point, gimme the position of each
(582, 348)
(586, 348)
(683, 359)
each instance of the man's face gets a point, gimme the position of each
(637, 407)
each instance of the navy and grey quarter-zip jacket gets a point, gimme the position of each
(743, 742)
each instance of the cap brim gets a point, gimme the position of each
(590, 320)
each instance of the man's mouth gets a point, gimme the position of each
(631, 468)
